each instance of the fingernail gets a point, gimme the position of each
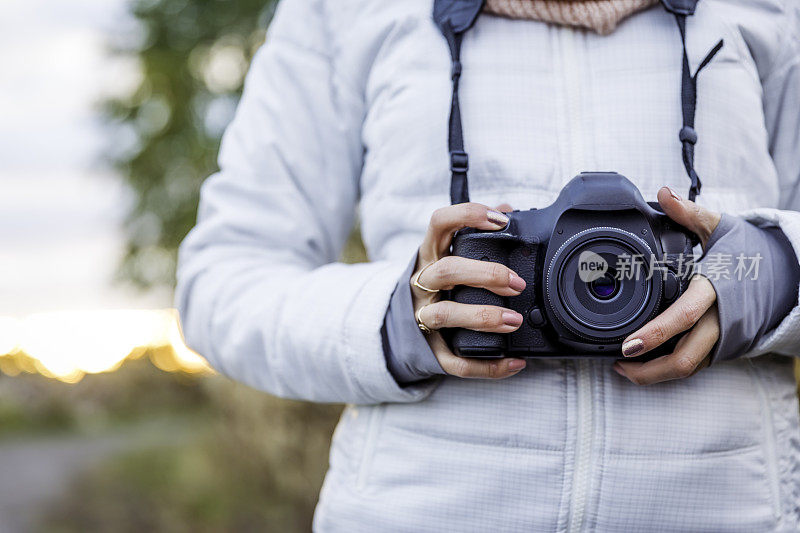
(618, 369)
(674, 194)
(516, 364)
(510, 318)
(632, 347)
(516, 282)
(497, 218)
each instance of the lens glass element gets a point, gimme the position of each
(605, 287)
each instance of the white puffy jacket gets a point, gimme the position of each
(345, 109)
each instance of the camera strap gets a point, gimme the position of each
(688, 135)
(455, 17)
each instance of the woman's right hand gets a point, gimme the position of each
(443, 271)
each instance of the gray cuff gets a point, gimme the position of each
(755, 274)
(408, 355)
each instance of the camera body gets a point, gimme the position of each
(599, 263)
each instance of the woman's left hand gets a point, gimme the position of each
(695, 311)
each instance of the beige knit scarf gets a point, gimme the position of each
(601, 16)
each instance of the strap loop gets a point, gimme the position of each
(680, 7)
(459, 162)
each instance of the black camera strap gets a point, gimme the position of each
(688, 135)
(455, 17)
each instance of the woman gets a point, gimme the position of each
(346, 106)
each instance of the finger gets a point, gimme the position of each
(450, 271)
(678, 317)
(690, 355)
(447, 220)
(504, 208)
(688, 214)
(487, 318)
(473, 368)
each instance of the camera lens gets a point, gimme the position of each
(599, 284)
(605, 287)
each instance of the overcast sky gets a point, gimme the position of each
(60, 210)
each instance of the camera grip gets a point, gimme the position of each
(466, 342)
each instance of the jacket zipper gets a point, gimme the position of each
(769, 437)
(584, 443)
(583, 448)
(572, 91)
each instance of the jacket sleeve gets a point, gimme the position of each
(782, 118)
(259, 292)
(408, 355)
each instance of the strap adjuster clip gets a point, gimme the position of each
(459, 162)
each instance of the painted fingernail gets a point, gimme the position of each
(510, 318)
(632, 347)
(516, 364)
(497, 218)
(516, 282)
(674, 194)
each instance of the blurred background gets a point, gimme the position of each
(111, 113)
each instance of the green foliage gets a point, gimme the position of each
(193, 55)
(256, 464)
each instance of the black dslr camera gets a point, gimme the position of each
(599, 263)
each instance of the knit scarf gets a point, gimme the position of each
(601, 16)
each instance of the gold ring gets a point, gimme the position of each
(418, 285)
(425, 329)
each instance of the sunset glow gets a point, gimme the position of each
(69, 344)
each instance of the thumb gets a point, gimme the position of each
(688, 214)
